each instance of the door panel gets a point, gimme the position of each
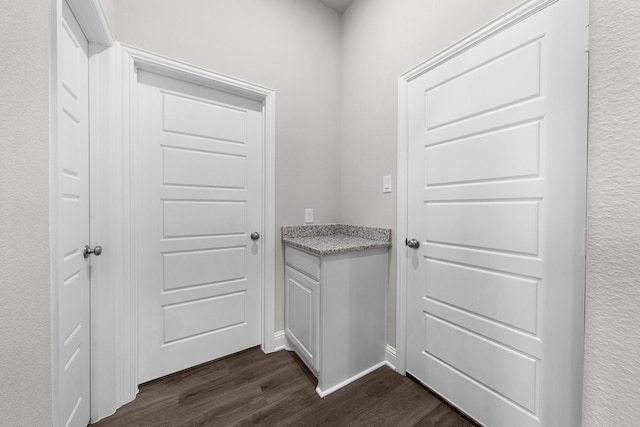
(497, 171)
(205, 169)
(74, 269)
(493, 364)
(185, 269)
(196, 317)
(199, 186)
(491, 156)
(197, 219)
(198, 117)
(510, 77)
(505, 298)
(508, 226)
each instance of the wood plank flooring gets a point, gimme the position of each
(253, 388)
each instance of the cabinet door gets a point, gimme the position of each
(302, 316)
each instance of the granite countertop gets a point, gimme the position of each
(325, 239)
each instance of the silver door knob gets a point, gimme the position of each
(255, 235)
(95, 251)
(413, 243)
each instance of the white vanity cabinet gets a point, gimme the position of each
(302, 305)
(335, 307)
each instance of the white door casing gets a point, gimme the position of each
(115, 307)
(199, 191)
(80, 26)
(73, 270)
(496, 172)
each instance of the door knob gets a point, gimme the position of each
(95, 251)
(413, 243)
(255, 235)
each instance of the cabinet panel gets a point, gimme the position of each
(302, 315)
(303, 262)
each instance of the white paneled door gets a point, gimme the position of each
(73, 199)
(199, 195)
(497, 184)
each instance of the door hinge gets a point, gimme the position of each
(587, 44)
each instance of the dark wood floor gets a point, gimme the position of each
(253, 388)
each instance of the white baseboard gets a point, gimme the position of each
(323, 393)
(392, 357)
(391, 360)
(279, 341)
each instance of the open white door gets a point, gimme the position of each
(199, 197)
(73, 200)
(496, 200)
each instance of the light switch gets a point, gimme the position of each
(308, 215)
(386, 184)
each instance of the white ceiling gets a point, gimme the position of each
(337, 5)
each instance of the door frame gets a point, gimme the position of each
(113, 287)
(133, 60)
(499, 24)
(115, 293)
(95, 27)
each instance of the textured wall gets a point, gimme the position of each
(381, 40)
(612, 342)
(25, 291)
(291, 46)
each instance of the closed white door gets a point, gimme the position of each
(497, 184)
(73, 198)
(199, 192)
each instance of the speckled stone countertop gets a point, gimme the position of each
(325, 239)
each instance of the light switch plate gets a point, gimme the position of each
(386, 184)
(308, 215)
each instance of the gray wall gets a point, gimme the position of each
(336, 83)
(291, 46)
(612, 348)
(25, 290)
(612, 341)
(382, 39)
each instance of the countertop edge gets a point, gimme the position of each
(320, 230)
(327, 239)
(336, 250)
